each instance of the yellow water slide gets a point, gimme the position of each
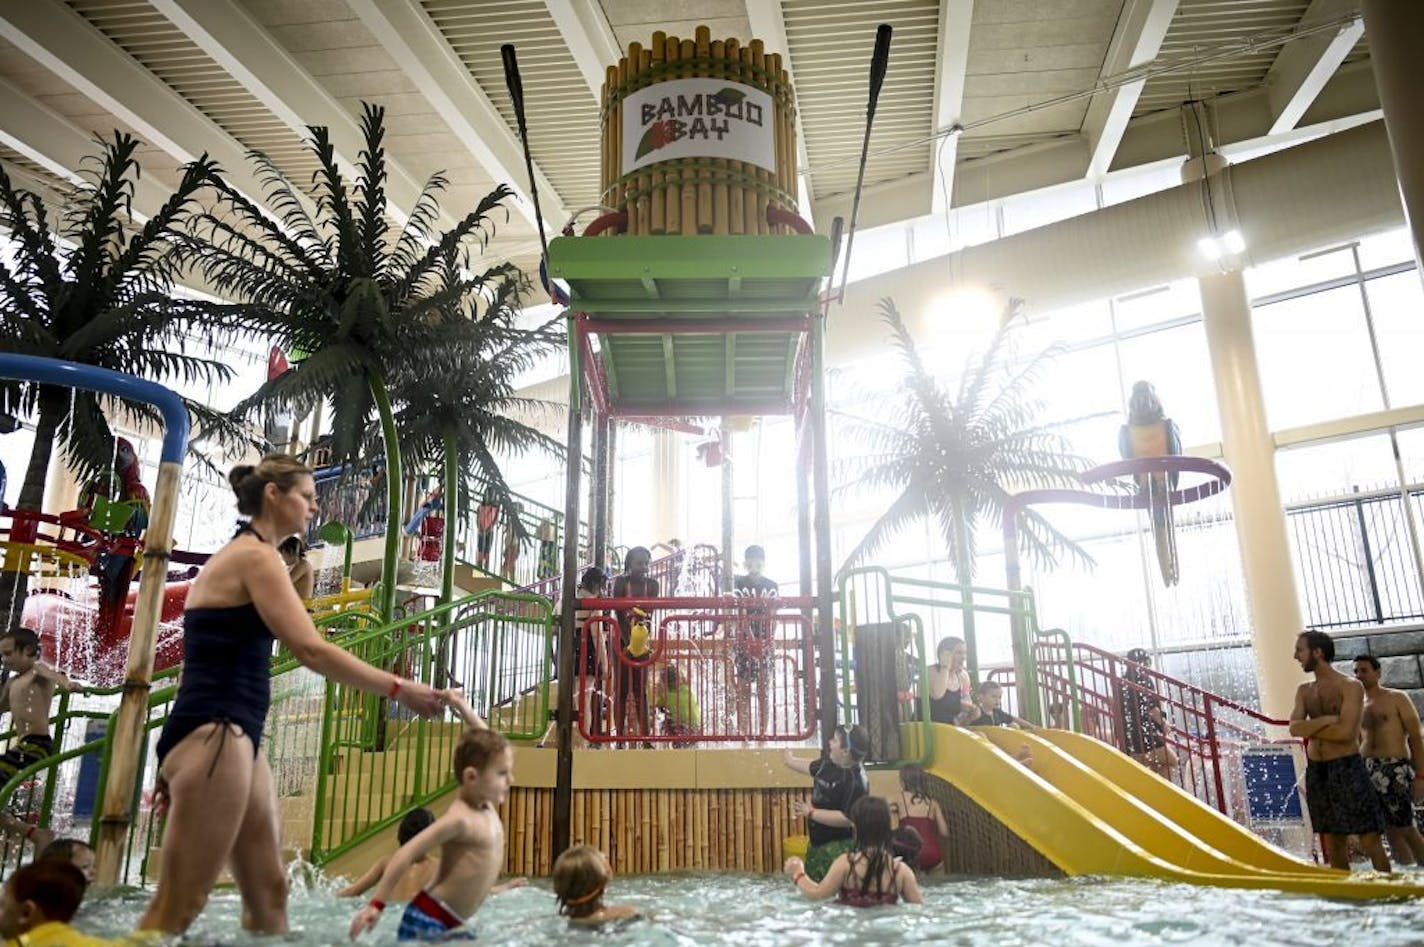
(1085, 809)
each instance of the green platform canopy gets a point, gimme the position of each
(716, 316)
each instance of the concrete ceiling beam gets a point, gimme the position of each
(66, 44)
(769, 26)
(1304, 66)
(955, 19)
(420, 50)
(590, 39)
(1141, 28)
(257, 62)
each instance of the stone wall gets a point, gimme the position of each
(1401, 658)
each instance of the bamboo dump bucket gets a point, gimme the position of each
(699, 137)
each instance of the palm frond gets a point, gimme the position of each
(371, 189)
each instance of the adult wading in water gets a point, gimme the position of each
(212, 775)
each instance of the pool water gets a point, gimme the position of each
(755, 911)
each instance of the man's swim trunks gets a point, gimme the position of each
(27, 750)
(1340, 797)
(427, 918)
(1393, 779)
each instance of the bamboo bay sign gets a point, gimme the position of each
(698, 118)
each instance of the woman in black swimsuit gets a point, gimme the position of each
(222, 808)
(949, 681)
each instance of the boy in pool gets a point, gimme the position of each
(38, 903)
(27, 697)
(470, 836)
(581, 874)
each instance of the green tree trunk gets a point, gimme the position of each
(14, 586)
(390, 565)
(964, 575)
(451, 489)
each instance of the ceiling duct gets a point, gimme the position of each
(1329, 190)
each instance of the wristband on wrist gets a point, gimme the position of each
(395, 688)
(796, 878)
(378, 904)
(30, 832)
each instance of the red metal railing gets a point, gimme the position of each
(747, 666)
(1091, 689)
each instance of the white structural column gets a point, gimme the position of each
(1274, 604)
(1396, 35)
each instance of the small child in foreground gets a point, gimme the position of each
(469, 834)
(580, 876)
(70, 850)
(38, 903)
(421, 871)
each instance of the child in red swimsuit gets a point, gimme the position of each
(918, 810)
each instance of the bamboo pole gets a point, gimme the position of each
(705, 215)
(687, 166)
(749, 194)
(613, 140)
(642, 182)
(672, 196)
(664, 827)
(758, 59)
(720, 213)
(732, 70)
(129, 731)
(657, 203)
(627, 66)
(779, 120)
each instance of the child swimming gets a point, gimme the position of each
(421, 871)
(38, 902)
(580, 876)
(470, 836)
(869, 874)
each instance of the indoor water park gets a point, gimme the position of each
(752, 472)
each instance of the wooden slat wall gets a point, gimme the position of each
(654, 830)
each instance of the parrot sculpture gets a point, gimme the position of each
(1150, 433)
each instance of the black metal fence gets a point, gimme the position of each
(1355, 559)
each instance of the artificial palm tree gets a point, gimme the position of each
(94, 286)
(464, 413)
(957, 458)
(361, 302)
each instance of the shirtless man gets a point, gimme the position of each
(1337, 786)
(1394, 756)
(27, 696)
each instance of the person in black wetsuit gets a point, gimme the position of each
(838, 780)
(213, 778)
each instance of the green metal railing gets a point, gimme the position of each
(377, 761)
(921, 611)
(495, 645)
